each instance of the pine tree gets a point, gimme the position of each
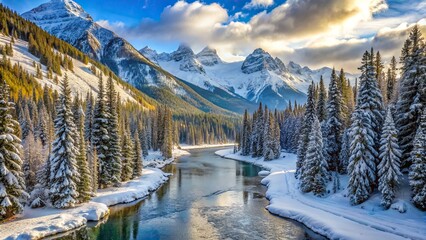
(408, 108)
(245, 139)
(260, 123)
(12, 184)
(365, 132)
(63, 169)
(167, 147)
(345, 152)
(84, 186)
(334, 125)
(314, 176)
(418, 168)
(127, 156)
(88, 123)
(391, 81)
(137, 157)
(114, 146)
(100, 138)
(144, 141)
(268, 147)
(305, 130)
(389, 173)
(321, 105)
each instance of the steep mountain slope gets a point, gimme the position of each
(81, 78)
(68, 21)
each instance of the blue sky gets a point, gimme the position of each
(312, 32)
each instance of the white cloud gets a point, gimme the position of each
(312, 32)
(258, 4)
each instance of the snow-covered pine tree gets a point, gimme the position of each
(63, 169)
(314, 175)
(25, 122)
(362, 167)
(418, 168)
(84, 185)
(137, 157)
(12, 184)
(391, 81)
(268, 147)
(305, 129)
(322, 100)
(334, 124)
(127, 155)
(409, 105)
(88, 121)
(277, 140)
(260, 122)
(92, 158)
(100, 138)
(345, 152)
(389, 173)
(114, 146)
(144, 141)
(365, 130)
(42, 128)
(246, 133)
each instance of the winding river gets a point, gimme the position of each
(207, 197)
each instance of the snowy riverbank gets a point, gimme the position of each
(333, 216)
(42, 222)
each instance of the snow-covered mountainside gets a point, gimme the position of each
(260, 77)
(81, 78)
(68, 21)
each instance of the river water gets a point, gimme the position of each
(207, 197)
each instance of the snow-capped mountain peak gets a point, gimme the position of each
(208, 57)
(259, 60)
(57, 9)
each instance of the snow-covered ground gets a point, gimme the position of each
(42, 222)
(189, 147)
(332, 215)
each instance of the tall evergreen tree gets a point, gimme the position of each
(389, 173)
(365, 130)
(305, 129)
(114, 146)
(322, 102)
(100, 138)
(84, 186)
(88, 121)
(314, 176)
(418, 168)
(333, 126)
(127, 156)
(167, 147)
(245, 139)
(391, 80)
(137, 157)
(409, 105)
(12, 184)
(63, 167)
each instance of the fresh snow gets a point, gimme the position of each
(43, 222)
(332, 215)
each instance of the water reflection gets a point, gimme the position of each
(207, 197)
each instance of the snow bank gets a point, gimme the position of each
(332, 215)
(43, 222)
(132, 190)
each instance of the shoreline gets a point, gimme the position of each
(46, 222)
(332, 216)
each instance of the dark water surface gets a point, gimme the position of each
(207, 197)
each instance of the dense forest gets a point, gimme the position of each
(374, 131)
(58, 147)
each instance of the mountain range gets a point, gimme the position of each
(182, 79)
